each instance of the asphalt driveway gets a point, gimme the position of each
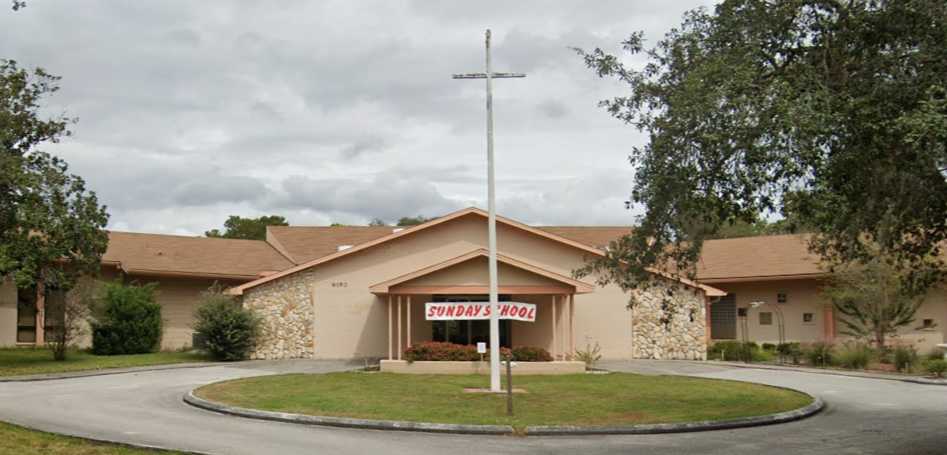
(862, 416)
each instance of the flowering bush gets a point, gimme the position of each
(443, 351)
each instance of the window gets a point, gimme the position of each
(766, 318)
(741, 312)
(927, 324)
(808, 318)
(781, 297)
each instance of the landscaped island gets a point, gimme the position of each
(584, 399)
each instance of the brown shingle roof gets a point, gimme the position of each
(770, 256)
(721, 260)
(192, 256)
(597, 236)
(305, 243)
(747, 258)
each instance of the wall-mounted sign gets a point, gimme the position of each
(449, 311)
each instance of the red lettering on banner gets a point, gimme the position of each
(504, 310)
(431, 311)
(532, 314)
(470, 310)
(441, 310)
(523, 311)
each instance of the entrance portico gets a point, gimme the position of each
(464, 279)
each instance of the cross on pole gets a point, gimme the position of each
(489, 75)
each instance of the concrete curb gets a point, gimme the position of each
(107, 371)
(708, 425)
(782, 417)
(346, 422)
(851, 374)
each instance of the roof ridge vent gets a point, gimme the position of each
(398, 229)
(343, 247)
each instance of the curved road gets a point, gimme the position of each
(862, 416)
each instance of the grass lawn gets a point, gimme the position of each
(609, 399)
(18, 440)
(21, 361)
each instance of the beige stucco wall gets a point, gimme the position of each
(934, 307)
(474, 272)
(7, 312)
(178, 298)
(803, 297)
(351, 322)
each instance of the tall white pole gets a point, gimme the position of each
(492, 219)
(492, 236)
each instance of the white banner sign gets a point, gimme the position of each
(449, 311)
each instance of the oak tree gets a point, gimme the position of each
(832, 110)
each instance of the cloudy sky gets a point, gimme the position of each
(335, 111)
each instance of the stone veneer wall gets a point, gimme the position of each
(287, 309)
(669, 322)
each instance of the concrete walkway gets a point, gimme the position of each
(863, 416)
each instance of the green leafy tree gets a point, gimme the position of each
(237, 227)
(873, 299)
(51, 226)
(412, 220)
(127, 320)
(377, 222)
(832, 111)
(229, 331)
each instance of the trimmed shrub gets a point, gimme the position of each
(903, 357)
(770, 347)
(855, 356)
(531, 354)
(934, 354)
(936, 367)
(762, 355)
(791, 351)
(127, 320)
(443, 351)
(819, 354)
(734, 351)
(228, 330)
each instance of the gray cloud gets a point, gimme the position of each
(340, 111)
(552, 108)
(388, 195)
(361, 147)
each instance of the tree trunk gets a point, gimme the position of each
(880, 339)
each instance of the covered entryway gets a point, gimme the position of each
(464, 279)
